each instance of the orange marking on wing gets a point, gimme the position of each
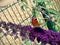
(35, 22)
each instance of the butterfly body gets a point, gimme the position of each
(35, 22)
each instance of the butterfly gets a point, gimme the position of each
(35, 22)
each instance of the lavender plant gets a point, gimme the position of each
(42, 35)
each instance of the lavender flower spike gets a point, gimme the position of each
(0, 30)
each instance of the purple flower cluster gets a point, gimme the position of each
(44, 36)
(23, 30)
(0, 30)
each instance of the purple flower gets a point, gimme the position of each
(10, 24)
(58, 43)
(19, 26)
(23, 31)
(53, 43)
(45, 36)
(38, 39)
(0, 24)
(14, 31)
(3, 24)
(29, 28)
(6, 28)
(31, 37)
(0, 30)
(38, 30)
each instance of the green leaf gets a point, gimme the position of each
(52, 11)
(40, 0)
(24, 6)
